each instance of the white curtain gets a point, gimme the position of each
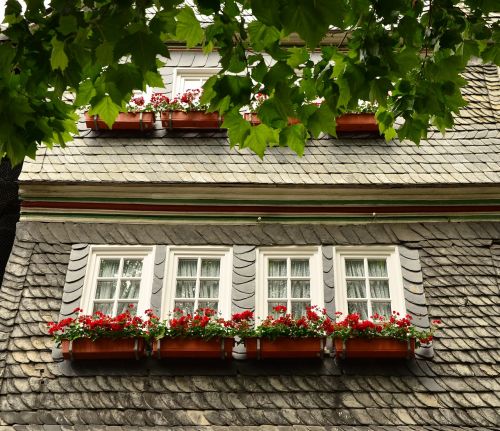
(301, 289)
(187, 307)
(299, 309)
(105, 289)
(358, 307)
(277, 268)
(187, 267)
(109, 267)
(132, 268)
(354, 268)
(185, 289)
(209, 289)
(210, 268)
(382, 308)
(277, 288)
(300, 268)
(129, 289)
(356, 288)
(106, 308)
(377, 268)
(379, 288)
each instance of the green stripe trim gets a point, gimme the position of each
(253, 219)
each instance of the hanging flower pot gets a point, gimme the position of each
(125, 121)
(184, 348)
(371, 348)
(357, 122)
(284, 347)
(190, 120)
(103, 348)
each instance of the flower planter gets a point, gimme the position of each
(103, 348)
(283, 347)
(357, 122)
(191, 120)
(124, 121)
(370, 348)
(254, 120)
(183, 348)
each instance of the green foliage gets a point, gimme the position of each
(403, 57)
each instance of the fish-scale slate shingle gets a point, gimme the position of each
(457, 389)
(470, 154)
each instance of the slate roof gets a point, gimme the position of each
(468, 155)
(458, 389)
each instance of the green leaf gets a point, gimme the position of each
(189, 28)
(271, 114)
(322, 120)
(58, 58)
(85, 92)
(104, 53)
(297, 57)
(260, 138)
(237, 127)
(107, 110)
(262, 36)
(294, 137)
(67, 24)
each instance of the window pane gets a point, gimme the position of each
(382, 308)
(185, 289)
(276, 288)
(187, 267)
(210, 268)
(124, 306)
(300, 268)
(354, 268)
(379, 288)
(209, 289)
(132, 267)
(356, 288)
(109, 267)
(270, 306)
(300, 289)
(359, 307)
(377, 268)
(277, 268)
(106, 308)
(299, 309)
(105, 289)
(187, 307)
(208, 304)
(130, 288)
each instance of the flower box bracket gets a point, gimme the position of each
(374, 348)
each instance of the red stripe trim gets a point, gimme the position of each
(261, 209)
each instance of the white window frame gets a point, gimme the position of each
(194, 252)
(313, 253)
(180, 75)
(98, 252)
(394, 273)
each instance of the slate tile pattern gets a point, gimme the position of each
(458, 389)
(470, 154)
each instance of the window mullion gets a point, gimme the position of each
(197, 288)
(118, 282)
(367, 285)
(289, 284)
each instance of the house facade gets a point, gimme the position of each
(172, 218)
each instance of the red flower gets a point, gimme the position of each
(280, 308)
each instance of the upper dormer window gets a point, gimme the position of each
(191, 79)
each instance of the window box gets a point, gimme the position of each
(184, 348)
(103, 348)
(254, 119)
(374, 348)
(191, 120)
(282, 347)
(357, 122)
(125, 121)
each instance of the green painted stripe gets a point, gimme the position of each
(439, 202)
(485, 217)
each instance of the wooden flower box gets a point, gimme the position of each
(357, 122)
(184, 348)
(191, 120)
(103, 348)
(254, 119)
(125, 121)
(374, 348)
(283, 347)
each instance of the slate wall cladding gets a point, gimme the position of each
(458, 388)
